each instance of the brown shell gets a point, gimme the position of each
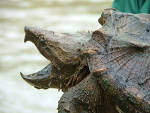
(125, 62)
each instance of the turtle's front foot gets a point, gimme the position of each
(82, 98)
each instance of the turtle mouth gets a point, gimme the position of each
(42, 79)
(56, 74)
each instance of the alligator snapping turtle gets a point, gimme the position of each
(105, 71)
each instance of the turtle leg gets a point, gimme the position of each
(82, 98)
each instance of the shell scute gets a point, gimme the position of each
(126, 57)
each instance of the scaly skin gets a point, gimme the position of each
(68, 66)
(106, 71)
(82, 98)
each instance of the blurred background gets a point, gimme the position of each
(16, 96)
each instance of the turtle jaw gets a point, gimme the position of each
(43, 79)
(35, 34)
(51, 77)
(39, 79)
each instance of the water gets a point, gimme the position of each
(16, 96)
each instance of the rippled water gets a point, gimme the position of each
(16, 96)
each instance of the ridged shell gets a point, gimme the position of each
(126, 59)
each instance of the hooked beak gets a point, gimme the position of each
(33, 34)
(36, 36)
(30, 33)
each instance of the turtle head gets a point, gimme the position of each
(67, 65)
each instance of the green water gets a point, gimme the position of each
(16, 96)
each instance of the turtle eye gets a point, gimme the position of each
(42, 42)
